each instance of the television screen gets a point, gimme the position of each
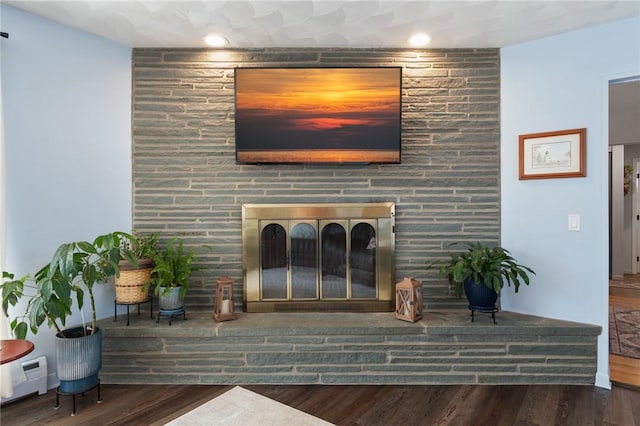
(318, 115)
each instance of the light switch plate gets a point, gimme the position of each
(574, 222)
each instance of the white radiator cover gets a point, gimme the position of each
(35, 371)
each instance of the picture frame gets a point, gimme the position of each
(318, 115)
(550, 155)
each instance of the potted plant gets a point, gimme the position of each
(132, 285)
(482, 271)
(170, 276)
(73, 271)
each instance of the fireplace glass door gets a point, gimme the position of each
(274, 261)
(318, 260)
(362, 260)
(334, 260)
(304, 261)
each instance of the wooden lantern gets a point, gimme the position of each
(409, 300)
(224, 309)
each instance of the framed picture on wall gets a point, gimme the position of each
(559, 154)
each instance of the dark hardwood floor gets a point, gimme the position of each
(350, 405)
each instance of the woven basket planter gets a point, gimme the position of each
(130, 283)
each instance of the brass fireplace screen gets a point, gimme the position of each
(318, 257)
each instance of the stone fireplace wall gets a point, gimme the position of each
(186, 182)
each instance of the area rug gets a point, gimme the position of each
(624, 331)
(240, 406)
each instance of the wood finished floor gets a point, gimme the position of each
(622, 369)
(629, 293)
(349, 405)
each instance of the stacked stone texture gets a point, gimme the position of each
(374, 348)
(186, 181)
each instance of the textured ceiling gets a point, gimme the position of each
(326, 23)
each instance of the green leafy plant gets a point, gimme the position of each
(74, 270)
(489, 266)
(173, 267)
(140, 246)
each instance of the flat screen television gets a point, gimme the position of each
(318, 115)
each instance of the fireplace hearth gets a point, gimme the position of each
(318, 257)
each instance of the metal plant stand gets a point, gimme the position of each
(491, 311)
(172, 313)
(73, 395)
(127, 304)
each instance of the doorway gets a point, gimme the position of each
(624, 240)
(632, 180)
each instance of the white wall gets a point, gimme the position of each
(550, 84)
(67, 106)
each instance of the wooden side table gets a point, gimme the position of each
(12, 349)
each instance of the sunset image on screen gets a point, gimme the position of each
(318, 115)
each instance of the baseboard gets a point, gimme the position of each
(603, 381)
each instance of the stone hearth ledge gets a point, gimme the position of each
(446, 322)
(445, 347)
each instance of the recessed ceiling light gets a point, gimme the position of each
(419, 40)
(215, 40)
